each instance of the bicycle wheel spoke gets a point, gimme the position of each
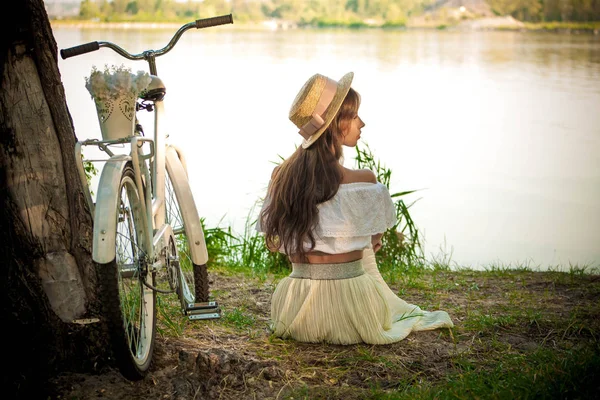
(129, 274)
(175, 219)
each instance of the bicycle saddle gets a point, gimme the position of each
(155, 91)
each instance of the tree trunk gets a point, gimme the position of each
(48, 279)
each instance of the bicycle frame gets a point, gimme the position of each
(153, 203)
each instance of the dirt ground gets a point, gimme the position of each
(236, 357)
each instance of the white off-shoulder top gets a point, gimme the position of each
(349, 219)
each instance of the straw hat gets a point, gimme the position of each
(317, 103)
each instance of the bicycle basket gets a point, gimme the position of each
(115, 91)
(116, 117)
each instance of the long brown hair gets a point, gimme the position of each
(307, 178)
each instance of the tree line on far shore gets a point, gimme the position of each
(331, 12)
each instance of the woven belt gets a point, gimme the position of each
(347, 270)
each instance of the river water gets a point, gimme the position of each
(498, 131)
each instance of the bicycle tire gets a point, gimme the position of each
(129, 305)
(194, 284)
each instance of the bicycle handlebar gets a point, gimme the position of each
(93, 46)
(214, 21)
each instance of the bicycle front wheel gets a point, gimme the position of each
(129, 304)
(182, 215)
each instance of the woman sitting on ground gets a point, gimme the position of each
(329, 220)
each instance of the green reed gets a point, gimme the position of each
(90, 172)
(402, 248)
(243, 252)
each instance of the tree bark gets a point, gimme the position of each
(48, 279)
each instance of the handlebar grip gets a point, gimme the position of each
(81, 49)
(214, 21)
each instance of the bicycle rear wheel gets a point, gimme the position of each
(129, 305)
(181, 214)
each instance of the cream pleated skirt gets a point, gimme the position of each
(345, 304)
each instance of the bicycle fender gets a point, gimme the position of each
(191, 220)
(105, 214)
(181, 157)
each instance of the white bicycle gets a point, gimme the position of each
(148, 236)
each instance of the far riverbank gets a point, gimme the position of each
(482, 24)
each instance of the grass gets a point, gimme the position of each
(540, 375)
(169, 313)
(519, 334)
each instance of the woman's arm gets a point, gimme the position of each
(272, 249)
(376, 242)
(273, 246)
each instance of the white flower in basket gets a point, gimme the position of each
(115, 91)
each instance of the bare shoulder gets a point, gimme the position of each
(358, 175)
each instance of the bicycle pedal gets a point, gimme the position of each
(204, 310)
(207, 313)
(203, 305)
(205, 316)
